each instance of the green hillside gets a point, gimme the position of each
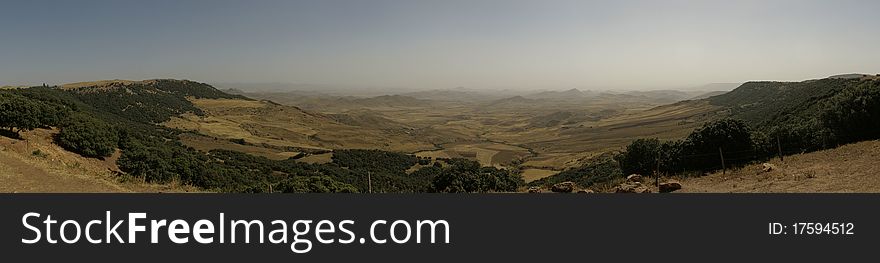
(756, 121)
(96, 118)
(808, 115)
(150, 101)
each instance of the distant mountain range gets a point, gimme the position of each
(854, 76)
(567, 94)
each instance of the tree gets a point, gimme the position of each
(466, 176)
(640, 156)
(20, 113)
(700, 150)
(88, 136)
(853, 114)
(314, 184)
(597, 170)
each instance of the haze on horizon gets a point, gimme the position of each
(439, 44)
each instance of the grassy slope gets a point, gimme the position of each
(849, 168)
(55, 170)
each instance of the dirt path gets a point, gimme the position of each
(17, 175)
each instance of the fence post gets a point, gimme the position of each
(723, 167)
(370, 182)
(779, 148)
(657, 171)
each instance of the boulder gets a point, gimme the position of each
(586, 191)
(634, 178)
(632, 187)
(534, 189)
(670, 186)
(768, 167)
(563, 187)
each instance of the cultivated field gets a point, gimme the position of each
(262, 122)
(547, 134)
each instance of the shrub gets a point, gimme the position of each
(600, 169)
(466, 176)
(854, 114)
(88, 137)
(314, 184)
(19, 113)
(640, 156)
(700, 151)
(39, 153)
(374, 160)
(702, 148)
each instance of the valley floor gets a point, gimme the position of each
(853, 168)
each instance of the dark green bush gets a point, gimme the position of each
(640, 157)
(21, 113)
(314, 184)
(600, 169)
(88, 136)
(466, 176)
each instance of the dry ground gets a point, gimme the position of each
(853, 168)
(530, 175)
(55, 170)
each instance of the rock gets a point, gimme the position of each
(586, 191)
(534, 189)
(563, 187)
(633, 187)
(634, 178)
(768, 167)
(670, 186)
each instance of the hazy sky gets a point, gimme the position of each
(439, 44)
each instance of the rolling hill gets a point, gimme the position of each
(571, 94)
(810, 114)
(776, 118)
(148, 101)
(708, 95)
(190, 132)
(200, 108)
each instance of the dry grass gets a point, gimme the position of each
(100, 83)
(492, 136)
(317, 158)
(487, 153)
(205, 144)
(849, 168)
(263, 122)
(530, 175)
(223, 104)
(35, 164)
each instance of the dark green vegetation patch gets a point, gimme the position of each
(96, 120)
